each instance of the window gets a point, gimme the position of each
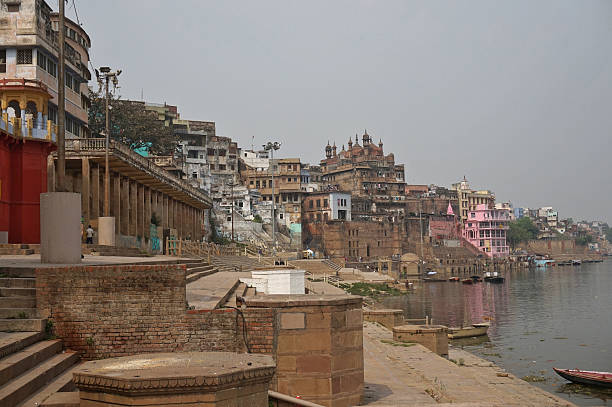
(194, 175)
(13, 8)
(210, 151)
(68, 80)
(318, 203)
(473, 215)
(41, 59)
(51, 68)
(280, 215)
(24, 56)
(310, 204)
(251, 182)
(325, 203)
(222, 152)
(2, 61)
(222, 167)
(76, 85)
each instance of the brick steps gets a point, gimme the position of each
(21, 387)
(18, 272)
(58, 392)
(11, 313)
(15, 252)
(17, 363)
(100, 250)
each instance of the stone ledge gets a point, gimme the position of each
(300, 300)
(172, 373)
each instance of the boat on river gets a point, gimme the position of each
(467, 281)
(603, 379)
(494, 277)
(576, 262)
(454, 279)
(468, 331)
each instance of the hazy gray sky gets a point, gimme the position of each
(515, 95)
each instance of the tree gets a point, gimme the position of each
(131, 124)
(521, 230)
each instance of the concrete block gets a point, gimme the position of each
(106, 230)
(433, 337)
(293, 320)
(60, 228)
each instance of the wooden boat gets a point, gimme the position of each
(586, 377)
(576, 262)
(467, 281)
(494, 278)
(477, 279)
(433, 280)
(469, 331)
(454, 279)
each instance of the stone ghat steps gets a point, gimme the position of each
(18, 306)
(195, 271)
(17, 272)
(19, 249)
(317, 267)
(57, 392)
(234, 263)
(230, 299)
(101, 250)
(30, 368)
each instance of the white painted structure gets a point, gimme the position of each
(283, 281)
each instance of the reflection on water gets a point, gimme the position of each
(539, 319)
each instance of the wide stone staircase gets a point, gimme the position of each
(33, 365)
(316, 267)
(235, 263)
(100, 250)
(197, 269)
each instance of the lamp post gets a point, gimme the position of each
(271, 147)
(105, 75)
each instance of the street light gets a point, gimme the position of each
(105, 75)
(271, 147)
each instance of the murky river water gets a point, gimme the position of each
(559, 317)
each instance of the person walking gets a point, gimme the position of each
(89, 233)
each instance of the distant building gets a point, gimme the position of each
(469, 199)
(29, 38)
(325, 206)
(507, 206)
(486, 229)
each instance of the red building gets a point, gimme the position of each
(26, 139)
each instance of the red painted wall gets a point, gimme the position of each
(23, 173)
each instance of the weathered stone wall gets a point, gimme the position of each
(554, 247)
(389, 318)
(110, 311)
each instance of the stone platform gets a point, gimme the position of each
(203, 379)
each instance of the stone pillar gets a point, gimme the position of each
(85, 190)
(125, 207)
(147, 212)
(133, 209)
(165, 222)
(319, 346)
(140, 211)
(95, 191)
(116, 201)
(60, 227)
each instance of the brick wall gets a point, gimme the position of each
(110, 311)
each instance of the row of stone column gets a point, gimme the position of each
(133, 204)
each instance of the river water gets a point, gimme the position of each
(559, 317)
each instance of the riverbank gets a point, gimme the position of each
(411, 375)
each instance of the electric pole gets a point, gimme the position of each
(271, 147)
(104, 77)
(61, 104)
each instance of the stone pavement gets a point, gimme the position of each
(400, 375)
(206, 292)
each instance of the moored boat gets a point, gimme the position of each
(467, 281)
(468, 331)
(454, 279)
(576, 262)
(586, 377)
(477, 279)
(494, 278)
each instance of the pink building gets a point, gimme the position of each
(485, 228)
